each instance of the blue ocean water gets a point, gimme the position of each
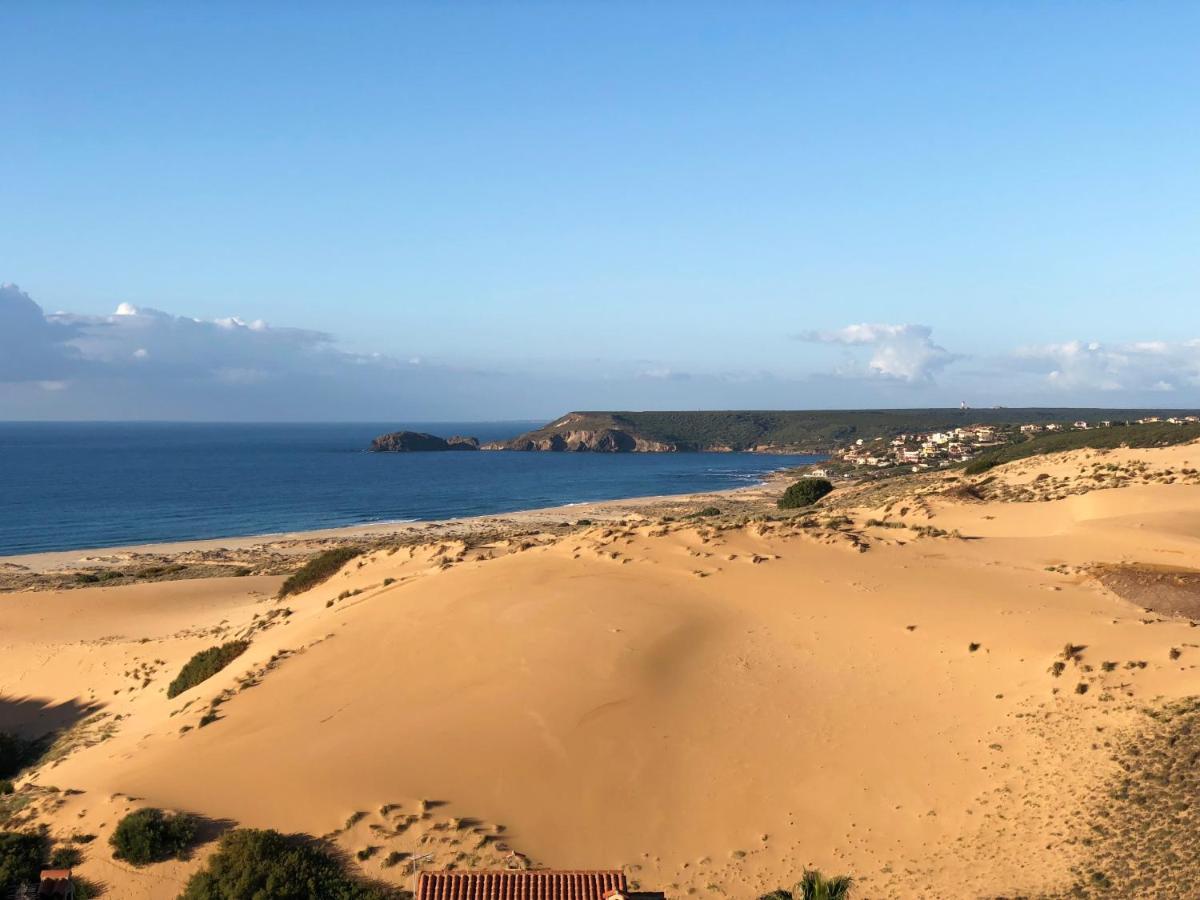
(77, 485)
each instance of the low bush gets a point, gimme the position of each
(205, 665)
(980, 465)
(804, 492)
(65, 858)
(815, 886)
(21, 858)
(267, 865)
(320, 568)
(151, 835)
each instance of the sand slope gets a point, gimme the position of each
(711, 708)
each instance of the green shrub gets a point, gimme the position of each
(6, 787)
(205, 665)
(707, 511)
(804, 492)
(21, 858)
(815, 886)
(65, 858)
(980, 465)
(320, 568)
(151, 835)
(267, 865)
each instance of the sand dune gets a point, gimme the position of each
(710, 707)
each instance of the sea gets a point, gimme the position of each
(66, 486)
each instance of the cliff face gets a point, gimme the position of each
(604, 440)
(419, 442)
(585, 433)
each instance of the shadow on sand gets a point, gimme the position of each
(29, 725)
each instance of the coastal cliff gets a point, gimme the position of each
(420, 442)
(586, 433)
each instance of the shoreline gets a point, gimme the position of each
(244, 548)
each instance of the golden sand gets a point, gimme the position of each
(710, 705)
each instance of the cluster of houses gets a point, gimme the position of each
(1106, 423)
(940, 449)
(924, 450)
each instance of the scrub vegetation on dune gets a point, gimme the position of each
(815, 886)
(1156, 434)
(804, 492)
(267, 865)
(205, 665)
(23, 855)
(21, 858)
(151, 835)
(1141, 836)
(319, 569)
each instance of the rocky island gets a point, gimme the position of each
(420, 442)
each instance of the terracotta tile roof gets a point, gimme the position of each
(505, 885)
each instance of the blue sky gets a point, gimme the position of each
(511, 209)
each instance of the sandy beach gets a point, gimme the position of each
(281, 551)
(932, 684)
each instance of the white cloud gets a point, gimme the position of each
(32, 347)
(185, 347)
(1157, 366)
(900, 352)
(140, 362)
(663, 373)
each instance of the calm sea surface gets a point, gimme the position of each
(75, 485)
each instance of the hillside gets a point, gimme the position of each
(814, 431)
(1158, 434)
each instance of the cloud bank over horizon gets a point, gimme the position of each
(145, 363)
(902, 352)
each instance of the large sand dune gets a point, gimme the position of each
(710, 707)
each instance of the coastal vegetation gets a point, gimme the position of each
(21, 858)
(267, 865)
(205, 665)
(23, 855)
(814, 431)
(320, 568)
(815, 886)
(804, 492)
(151, 835)
(1153, 434)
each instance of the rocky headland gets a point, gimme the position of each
(420, 442)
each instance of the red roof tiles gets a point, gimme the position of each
(505, 885)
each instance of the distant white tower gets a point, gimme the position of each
(962, 404)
